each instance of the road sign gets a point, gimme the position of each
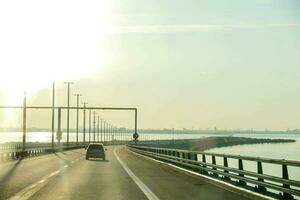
(135, 136)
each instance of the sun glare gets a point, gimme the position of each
(42, 41)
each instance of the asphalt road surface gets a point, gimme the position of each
(124, 175)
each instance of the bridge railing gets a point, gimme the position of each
(279, 187)
(15, 151)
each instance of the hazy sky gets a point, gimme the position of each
(192, 63)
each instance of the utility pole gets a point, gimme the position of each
(77, 119)
(68, 112)
(53, 113)
(84, 107)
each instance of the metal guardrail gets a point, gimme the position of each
(35, 145)
(287, 188)
(13, 152)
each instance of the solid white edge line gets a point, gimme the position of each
(149, 194)
(200, 175)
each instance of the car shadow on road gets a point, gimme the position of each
(97, 160)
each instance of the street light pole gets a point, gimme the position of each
(101, 131)
(98, 118)
(90, 116)
(84, 107)
(24, 123)
(173, 136)
(94, 126)
(115, 133)
(77, 119)
(110, 132)
(53, 113)
(107, 134)
(68, 112)
(104, 130)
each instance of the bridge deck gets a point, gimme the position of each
(69, 176)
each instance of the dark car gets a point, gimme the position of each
(95, 150)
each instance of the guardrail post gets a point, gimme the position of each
(177, 155)
(195, 157)
(285, 175)
(260, 171)
(213, 158)
(181, 156)
(225, 160)
(241, 167)
(188, 156)
(204, 160)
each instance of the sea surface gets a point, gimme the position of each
(288, 151)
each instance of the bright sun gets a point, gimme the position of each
(42, 41)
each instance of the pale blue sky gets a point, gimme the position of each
(193, 63)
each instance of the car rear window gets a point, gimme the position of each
(95, 147)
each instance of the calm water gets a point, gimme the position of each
(289, 151)
(46, 136)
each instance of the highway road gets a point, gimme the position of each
(124, 175)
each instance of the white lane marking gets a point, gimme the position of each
(42, 181)
(53, 173)
(149, 194)
(200, 175)
(32, 186)
(29, 191)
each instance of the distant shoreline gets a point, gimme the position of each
(166, 131)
